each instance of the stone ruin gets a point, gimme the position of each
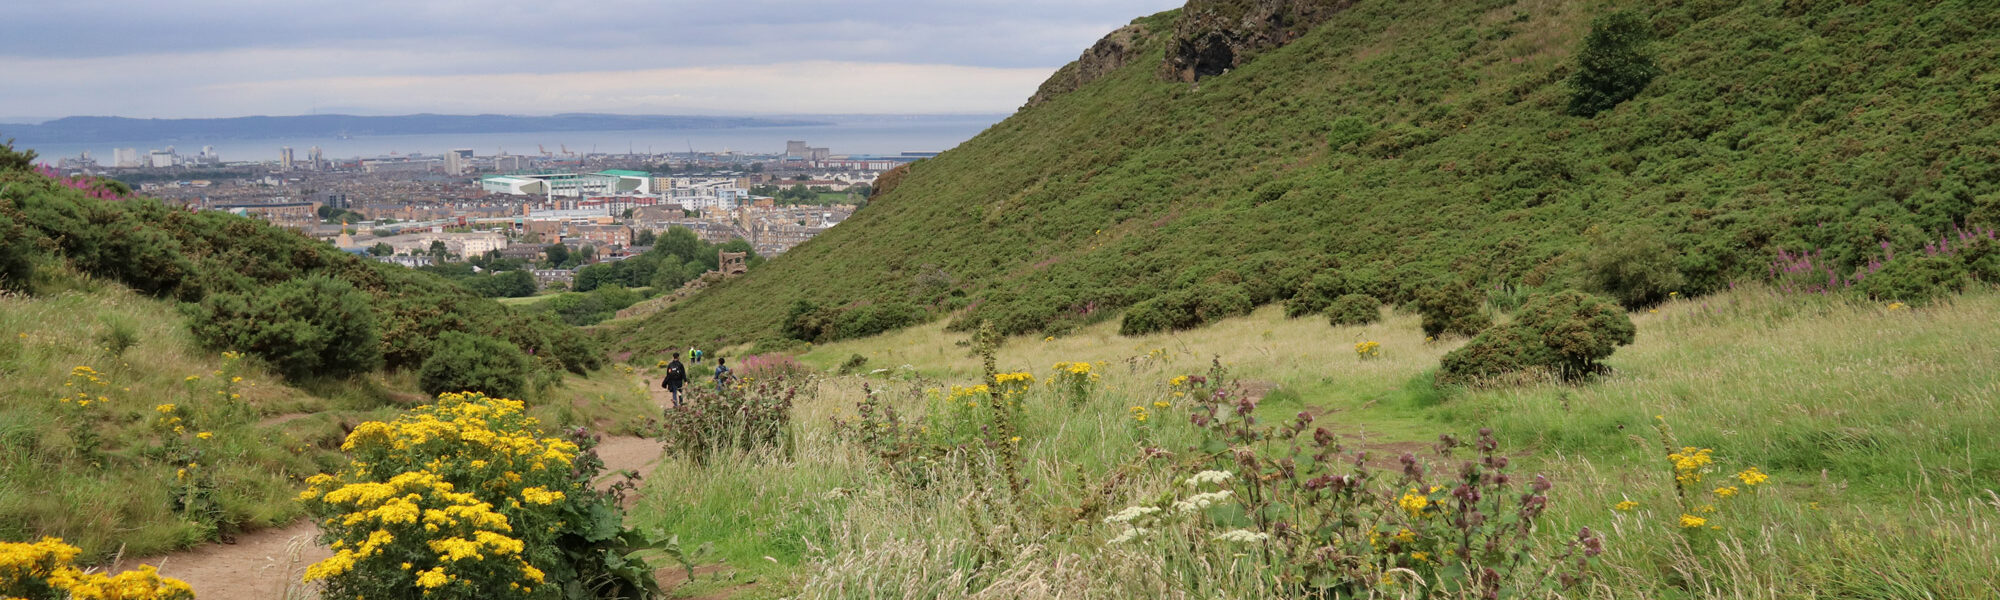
(732, 263)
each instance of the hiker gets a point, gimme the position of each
(721, 373)
(677, 376)
(697, 356)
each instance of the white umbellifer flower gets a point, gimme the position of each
(1242, 536)
(1215, 477)
(1130, 513)
(1129, 535)
(1201, 501)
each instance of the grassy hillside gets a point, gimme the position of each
(123, 426)
(1870, 421)
(1400, 143)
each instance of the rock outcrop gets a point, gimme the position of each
(1107, 55)
(1214, 36)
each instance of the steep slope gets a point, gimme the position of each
(1397, 143)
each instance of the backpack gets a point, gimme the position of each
(675, 374)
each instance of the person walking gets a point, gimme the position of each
(677, 377)
(722, 375)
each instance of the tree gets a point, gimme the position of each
(756, 167)
(439, 251)
(1611, 68)
(558, 255)
(645, 238)
(15, 160)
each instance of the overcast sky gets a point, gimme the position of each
(223, 58)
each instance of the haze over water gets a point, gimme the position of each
(846, 134)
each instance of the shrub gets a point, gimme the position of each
(1313, 297)
(871, 319)
(1354, 309)
(1982, 259)
(118, 336)
(854, 364)
(1916, 279)
(1184, 309)
(1610, 68)
(474, 363)
(1566, 334)
(18, 252)
(1636, 268)
(462, 499)
(746, 416)
(1452, 308)
(311, 326)
(807, 322)
(43, 571)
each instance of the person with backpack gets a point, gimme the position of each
(722, 375)
(677, 376)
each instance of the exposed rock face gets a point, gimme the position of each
(1114, 51)
(1213, 36)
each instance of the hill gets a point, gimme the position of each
(172, 377)
(76, 130)
(1241, 149)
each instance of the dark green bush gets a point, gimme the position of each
(853, 364)
(1917, 279)
(1636, 268)
(1982, 259)
(1454, 308)
(1566, 334)
(18, 252)
(1315, 295)
(474, 363)
(806, 321)
(317, 326)
(1185, 309)
(1354, 309)
(871, 319)
(1611, 68)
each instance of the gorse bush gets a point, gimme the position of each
(1918, 279)
(1454, 308)
(1316, 295)
(311, 326)
(1636, 268)
(1354, 309)
(1611, 68)
(463, 499)
(474, 363)
(1565, 334)
(1185, 309)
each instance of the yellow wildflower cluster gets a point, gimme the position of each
(1075, 379)
(1627, 505)
(1138, 413)
(1418, 503)
(1895, 306)
(969, 396)
(1075, 369)
(1752, 476)
(1367, 350)
(87, 387)
(454, 491)
(1691, 521)
(46, 565)
(1690, 463)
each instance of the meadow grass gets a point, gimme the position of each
(1866, 418)
(263, 442)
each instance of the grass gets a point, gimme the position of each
(1869, 420)
(263, 443)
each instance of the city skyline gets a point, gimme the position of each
(222, 58)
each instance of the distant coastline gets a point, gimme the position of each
(93, 130)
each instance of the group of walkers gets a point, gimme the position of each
(677, 374)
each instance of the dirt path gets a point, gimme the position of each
(259, 565)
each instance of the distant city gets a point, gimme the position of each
(422, 209)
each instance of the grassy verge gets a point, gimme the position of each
(115, 474)
(1867, 419)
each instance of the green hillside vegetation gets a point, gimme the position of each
(172, 377)
(1400, 146)
(1868, 418)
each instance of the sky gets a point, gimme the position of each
(225, 58)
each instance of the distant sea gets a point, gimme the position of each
(844, 134)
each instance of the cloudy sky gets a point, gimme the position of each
(222, 58)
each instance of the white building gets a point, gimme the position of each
(126, 158)
(458, 162)
(160, 159)
(571, 185)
